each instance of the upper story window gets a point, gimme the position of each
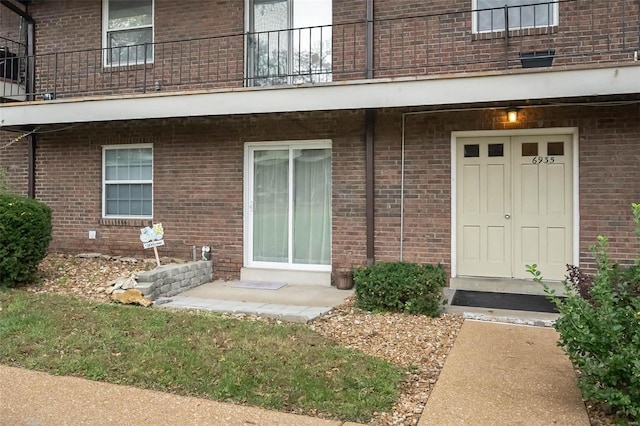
(489, 15)
(128, 32)
(127, 181)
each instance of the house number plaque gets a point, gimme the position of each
(543, 160)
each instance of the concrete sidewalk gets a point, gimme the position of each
(32, 398)
(498, 374)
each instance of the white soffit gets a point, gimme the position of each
(387, 93)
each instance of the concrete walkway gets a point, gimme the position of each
(498, 374)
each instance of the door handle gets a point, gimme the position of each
(507, 216)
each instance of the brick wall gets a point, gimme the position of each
(609, 170)
(76, 26)
(13, 162)
(416, 38)
(411, 38)
(198, 186)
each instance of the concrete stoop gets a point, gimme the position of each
(293, 303)
(537, 319)
(503, 285)
(291, 313)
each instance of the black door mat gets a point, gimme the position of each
(510, 301)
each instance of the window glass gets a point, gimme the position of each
(522, 14)
(290, 42)
(529, 149)
(496, 150)
(472, 151)
(129, 32)
(291, 205)
(555, 148)
(128, 182)
(130, 13)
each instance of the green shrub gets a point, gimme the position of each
(400, 286)
(599, 327)
(25, 233)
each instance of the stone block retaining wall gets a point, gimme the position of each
(169, 280)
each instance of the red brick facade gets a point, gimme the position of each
(199, 162)
(198, 179)
(13, 162)
(202, 46)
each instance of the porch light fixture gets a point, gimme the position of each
(512, 115)
(48, 96)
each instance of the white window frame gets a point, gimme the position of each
(555, 14)
(106, 31)
(106, 148)
(249, 148)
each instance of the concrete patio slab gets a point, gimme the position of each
(290, 294)
(294, 303)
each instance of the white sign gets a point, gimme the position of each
(154, 233)
(151, 237)
(151, 244)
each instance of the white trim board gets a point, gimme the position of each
(573, 131)
(378, 93)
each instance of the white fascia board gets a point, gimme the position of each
(379, 93)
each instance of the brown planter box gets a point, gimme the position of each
(344, 279)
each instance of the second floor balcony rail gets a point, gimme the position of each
(556, 33)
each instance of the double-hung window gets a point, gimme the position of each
(127, 183)
(128, 32)
(489, 15)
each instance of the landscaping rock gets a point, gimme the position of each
(89, 255)
(131, 297)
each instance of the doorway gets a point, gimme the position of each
(514, 204)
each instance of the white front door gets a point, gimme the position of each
(515, 206)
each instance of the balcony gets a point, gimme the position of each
(557, 35)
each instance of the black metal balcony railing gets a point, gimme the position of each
(565, 33)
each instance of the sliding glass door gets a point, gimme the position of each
(289, 205)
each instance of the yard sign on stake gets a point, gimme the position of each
(152, 237)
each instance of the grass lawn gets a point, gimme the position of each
(281, 367)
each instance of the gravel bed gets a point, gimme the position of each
(418, 344)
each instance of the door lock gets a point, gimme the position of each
(507, 216)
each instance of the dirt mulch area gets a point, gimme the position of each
(418, 344)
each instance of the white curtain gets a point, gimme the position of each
(312, 207)
(271, 206)
(310, 224)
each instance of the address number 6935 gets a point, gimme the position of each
(543, 160)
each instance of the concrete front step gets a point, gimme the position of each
(503, 285)
(536, 319)
(291, 313)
